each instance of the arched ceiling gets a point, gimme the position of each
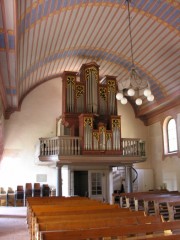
(40, 39)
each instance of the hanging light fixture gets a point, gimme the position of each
(134, 85)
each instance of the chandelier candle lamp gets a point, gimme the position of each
(134, 85)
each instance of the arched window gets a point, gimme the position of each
(172, 136)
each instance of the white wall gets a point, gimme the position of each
(166, 169)
(37, 118)
(132, 127)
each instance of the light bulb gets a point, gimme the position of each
(131, 92)
(123, 100)
(119, 96)
(138, 101)
(150, 98)
(147, 92)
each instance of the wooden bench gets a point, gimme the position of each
(59, 206)
(126, 198)
(151, 202)
(62, 214)
(90, 215)
(135, 201)
(115, 215)
(39, 201)
(113, 212)
(160, 205)
(140, 230)
(174, 210)
(91, 223)
(58, 201)
(164, 237)
(84, 209)
(50, 210)
(49, 200)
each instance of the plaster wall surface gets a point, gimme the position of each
(166, 168)
(37, 118)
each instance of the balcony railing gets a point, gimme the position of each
(133, 147)
(60, 146)
(66, 146)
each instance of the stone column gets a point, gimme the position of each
(110, 180)
(128, 178)
(59, 182)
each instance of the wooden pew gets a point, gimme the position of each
(142, 230)
(69, 209)
(82, 214)
(164, 237)
(62, 202)
(160, 205)
(129, 197)
(153, 197)
(58, 206)
(58, 201)
(85, 210)
(135, 200)
(94, 217)
(49, 200)
(91, 215)
(152, 202)
(174, 210)
(51, 210)
(93, 223)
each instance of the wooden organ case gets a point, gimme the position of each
(90, 110)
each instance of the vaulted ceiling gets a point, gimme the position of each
(40, 39)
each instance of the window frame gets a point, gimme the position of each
(96, 184)
(166, 137)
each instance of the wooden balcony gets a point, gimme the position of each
(65, 150)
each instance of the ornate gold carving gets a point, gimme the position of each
(71, 80)
(96, 135)
(115, 123)
(108, 136)
(103, 93)
(93, 71)
(79, 90)
(88, 121)
(102, 129)
(111, 85)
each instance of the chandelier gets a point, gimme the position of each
(134, 85)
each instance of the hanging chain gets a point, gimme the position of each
(129, 18)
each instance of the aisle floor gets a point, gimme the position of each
(13, 224)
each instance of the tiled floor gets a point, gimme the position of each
(13, 225)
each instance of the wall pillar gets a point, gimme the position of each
(128, 179)
(110, 185)
(59, 182)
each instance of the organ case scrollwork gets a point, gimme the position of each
(80, 93)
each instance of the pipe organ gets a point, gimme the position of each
(90, 110)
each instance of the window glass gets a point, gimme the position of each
(96, 187)
(172, 136)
